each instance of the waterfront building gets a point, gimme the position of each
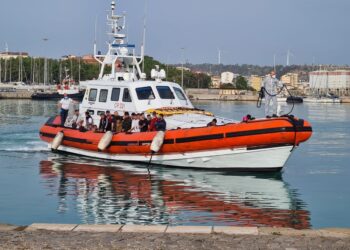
(324, 82)
(227, 77)
(13, 55)
(215, 82)
(89, 59)
(290, 79)
(68, 57)
(255, 82)
(184, 68)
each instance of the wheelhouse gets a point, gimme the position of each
(138, 96)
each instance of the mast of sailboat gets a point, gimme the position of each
(45, 64)
(6, 50)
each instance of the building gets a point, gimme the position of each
(184, 68)
(89, 59)
(68, 57)
(215, 82)
(290, 79)
(324, 82)
(255, 82)
(13, 55)
(227, 77)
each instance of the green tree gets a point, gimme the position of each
(241, 83)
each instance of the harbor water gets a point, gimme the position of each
(37, 185)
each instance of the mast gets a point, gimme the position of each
(125, 65)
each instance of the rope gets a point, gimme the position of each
(263, 91)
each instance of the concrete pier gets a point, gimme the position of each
(66, 236)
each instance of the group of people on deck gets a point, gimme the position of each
(111, 122)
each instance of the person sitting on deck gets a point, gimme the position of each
(89, 122)
(135, 123)
(126, 123)
(80, 126)
(94, 129)
(248, 118)
(143, 123)
(161, 123)
(117, 122)
(103, 123)
(109, 121)
(75, 119)
(212, 123)
(152, 124)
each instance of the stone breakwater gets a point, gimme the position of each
(72, 236)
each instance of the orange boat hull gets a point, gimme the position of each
(253, 134)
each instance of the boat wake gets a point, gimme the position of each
(29, 147)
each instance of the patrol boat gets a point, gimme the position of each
(255, 145)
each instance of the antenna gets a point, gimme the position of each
(274, 62)
(219, 56)
(143, 48)
(95, 41)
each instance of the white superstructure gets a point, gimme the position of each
(126, 88)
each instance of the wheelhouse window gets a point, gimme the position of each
(145, 93)
(115, 94)
(126, 96)
(180, 94)
(92, 95)
(165, 92)
(103, 95)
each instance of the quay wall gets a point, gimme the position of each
(222, 94)
(18, 94)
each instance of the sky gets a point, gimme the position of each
(245, 31)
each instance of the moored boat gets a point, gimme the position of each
(255, 145)
(67, 86)
(294, 99)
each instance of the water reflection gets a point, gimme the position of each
(111, 193)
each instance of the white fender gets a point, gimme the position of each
(57, 141)
(158, 141)
(105, 141)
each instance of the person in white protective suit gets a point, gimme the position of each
(270, 85)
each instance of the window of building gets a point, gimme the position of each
(92, 95)
(165, 92)
(126, 95)
(115, 94)
(145, 93)
(179, 94)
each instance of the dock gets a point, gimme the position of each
(73, 236)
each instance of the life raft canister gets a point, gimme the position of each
(105, 141)
(57, 141)
(157, 142)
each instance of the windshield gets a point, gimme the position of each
(145, 93)
(180, 94)
(165, 92)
